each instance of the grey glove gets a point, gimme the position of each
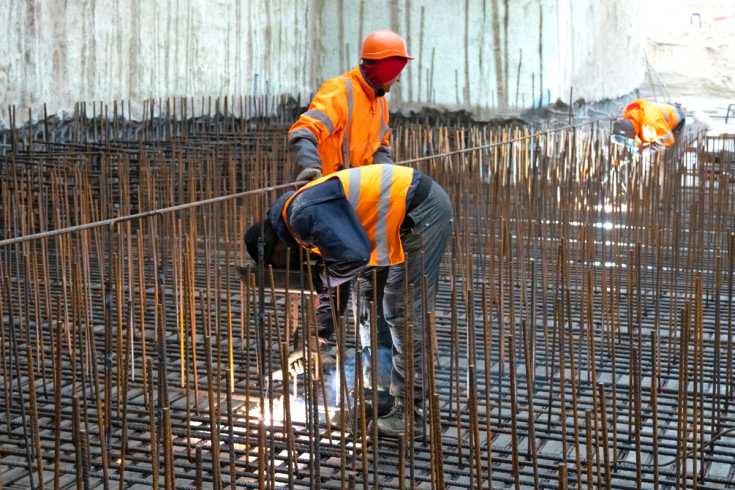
(309, 174)
(296, 362)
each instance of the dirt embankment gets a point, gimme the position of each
(695, 66)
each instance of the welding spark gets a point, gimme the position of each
(277, 416)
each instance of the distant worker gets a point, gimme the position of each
(347, 122)
(359, 218)
(647, 124)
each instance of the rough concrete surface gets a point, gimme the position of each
(476, 54)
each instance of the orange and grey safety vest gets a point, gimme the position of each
(652, 122)
(377, 193)
(348, 121)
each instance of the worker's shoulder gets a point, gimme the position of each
(335, 83)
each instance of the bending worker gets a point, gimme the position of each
(376, 215)
(347, 122)
(645, 124)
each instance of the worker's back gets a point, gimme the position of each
(653, 123)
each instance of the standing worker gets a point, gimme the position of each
(347, 126)
(645, 124)
(347, 122)
(371, 216)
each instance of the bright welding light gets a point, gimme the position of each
(607, 264)
(277, 417)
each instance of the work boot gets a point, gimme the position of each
(385, 402)
(350, 416)
(394, 423)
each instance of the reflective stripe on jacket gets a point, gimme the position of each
(377, 193)
(347, 122)
(652, 122)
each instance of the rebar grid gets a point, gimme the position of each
(565, 253)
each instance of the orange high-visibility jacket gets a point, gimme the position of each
(377, 193)
(652, 122)
(347, 122)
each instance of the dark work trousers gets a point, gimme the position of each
(361, 292)
(674, 153)
(427, 229)
(363, 295)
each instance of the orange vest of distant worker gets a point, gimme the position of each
(348, 121)
(652, 122)
(377, 193)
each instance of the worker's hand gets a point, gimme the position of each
(296, 361)
(296, 365)
(657, 146)
(309, 174)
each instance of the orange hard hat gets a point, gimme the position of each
(383, 44)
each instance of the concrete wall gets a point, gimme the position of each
(64, 51)
(473, 54)
(495, 53)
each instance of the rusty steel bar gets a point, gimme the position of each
(634, 245)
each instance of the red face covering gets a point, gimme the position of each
(385, 70)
